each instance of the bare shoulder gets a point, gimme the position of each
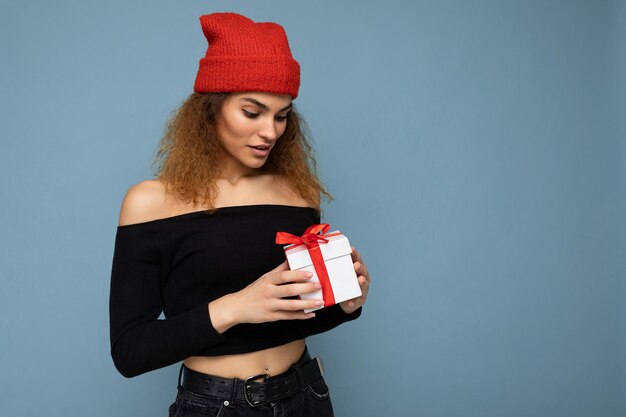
(143, 202)
(288, 194)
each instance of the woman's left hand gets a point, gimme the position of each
(349, 306)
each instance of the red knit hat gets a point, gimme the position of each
(246, 56)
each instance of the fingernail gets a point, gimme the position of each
(319, 302)
(318, 285)
(308, 274)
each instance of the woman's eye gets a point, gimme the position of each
(281, 118)
(250, 114)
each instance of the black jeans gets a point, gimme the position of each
(311, 401)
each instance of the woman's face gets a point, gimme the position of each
(249, 125)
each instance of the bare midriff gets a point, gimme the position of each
(272, 361)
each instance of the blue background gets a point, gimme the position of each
(475, 150)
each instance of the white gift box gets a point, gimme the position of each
(336, 254)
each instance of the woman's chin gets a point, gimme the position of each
(256, 163)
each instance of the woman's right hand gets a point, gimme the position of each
(264, 300)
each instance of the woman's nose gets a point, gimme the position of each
(269, 130)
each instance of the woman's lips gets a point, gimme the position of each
(259, 151)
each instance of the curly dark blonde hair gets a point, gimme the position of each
(190, 150)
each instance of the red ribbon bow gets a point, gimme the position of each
(311, 238)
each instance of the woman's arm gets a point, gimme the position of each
(140, 342)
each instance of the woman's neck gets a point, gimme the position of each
(233, 173)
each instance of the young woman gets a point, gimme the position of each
(198, 242)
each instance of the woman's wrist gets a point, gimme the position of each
(222, 314)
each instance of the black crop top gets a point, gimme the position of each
(177, 265)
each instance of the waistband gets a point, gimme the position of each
(271, 388)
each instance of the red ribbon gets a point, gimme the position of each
(312, 240)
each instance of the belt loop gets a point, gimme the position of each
(180, 373)
(299, 373)
(233, 393)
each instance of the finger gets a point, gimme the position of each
(364, 271)
(365, 283)
(356, 256)
(360, 268)
(289, 290)
(294, 305)
(364, 291)
(357, 266)
(293, 315)
(282, 267)
(284, 277)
